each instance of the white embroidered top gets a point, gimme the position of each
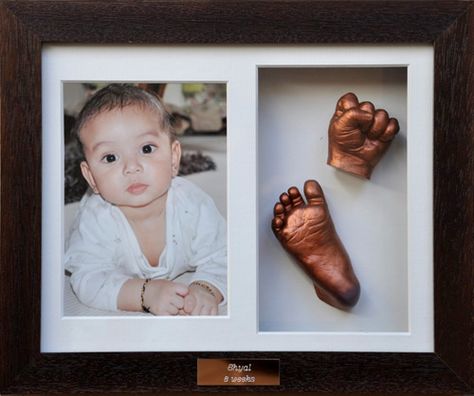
(102, 251)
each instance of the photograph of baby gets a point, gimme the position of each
(145, 199)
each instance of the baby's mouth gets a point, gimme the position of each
(137, 188)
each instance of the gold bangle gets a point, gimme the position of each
(142, 297)
(206, 287)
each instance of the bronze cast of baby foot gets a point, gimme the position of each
(307, 232)
(359, 135)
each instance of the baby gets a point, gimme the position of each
(141, 226)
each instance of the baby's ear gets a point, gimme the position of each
(86, 172)
(175, 157)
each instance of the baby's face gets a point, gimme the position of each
(129, 159)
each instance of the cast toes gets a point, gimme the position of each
(313, 192)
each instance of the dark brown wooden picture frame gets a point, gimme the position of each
(26, 25)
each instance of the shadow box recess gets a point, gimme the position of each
(26, 25)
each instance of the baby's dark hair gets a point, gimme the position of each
(119, 96)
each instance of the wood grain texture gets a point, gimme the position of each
(454, 192)
(300, 372)
(27, 24)
(20, 202)
(233, 22)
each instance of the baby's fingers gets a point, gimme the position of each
(209, 310)
(189, 304)
(172, 310)
(197, 309)
(391, 130)
(346, 102)
(165, 309)
(177, 301)
(205, 310)
(379, 125)
(355, 118)
(181, 289)
(368, 107)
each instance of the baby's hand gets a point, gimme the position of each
(359, 135)
(201, 300)
(164, 297)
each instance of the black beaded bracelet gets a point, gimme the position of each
(142, 297)
(204, 286)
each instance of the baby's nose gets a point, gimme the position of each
(132, 166)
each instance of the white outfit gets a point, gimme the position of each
(102, 251)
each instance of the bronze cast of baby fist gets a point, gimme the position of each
(359, 135)
(307, 232)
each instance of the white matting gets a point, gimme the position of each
(241, 328)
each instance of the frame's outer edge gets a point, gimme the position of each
(453, 193)
(20, 201)
(25, 25)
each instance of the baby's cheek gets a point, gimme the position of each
(108, 179)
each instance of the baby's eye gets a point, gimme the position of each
(148, 148)
(109, 158)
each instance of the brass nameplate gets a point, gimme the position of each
(238, 372)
